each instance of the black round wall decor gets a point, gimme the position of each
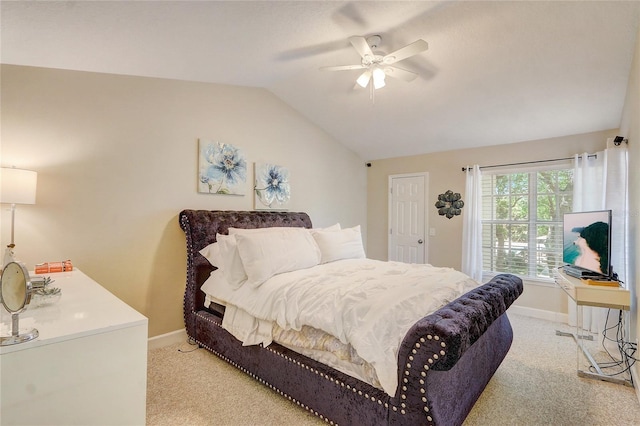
(449, 204)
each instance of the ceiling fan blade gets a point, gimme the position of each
(361, 46)
(400, 74)
(343, 68)
(404, 52)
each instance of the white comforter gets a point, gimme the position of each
(366, 303)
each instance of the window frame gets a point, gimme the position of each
(531, 222)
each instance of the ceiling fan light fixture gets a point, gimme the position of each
(364, 78)
(378, 78)
(377, 65)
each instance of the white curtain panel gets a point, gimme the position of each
(601, 183)
(472, 225)
(617, 199)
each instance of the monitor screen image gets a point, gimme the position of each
(586, 241)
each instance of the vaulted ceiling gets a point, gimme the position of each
(496, 72)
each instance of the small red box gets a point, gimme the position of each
(50, 267)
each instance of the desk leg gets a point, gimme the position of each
(574, 335)
(579, 338)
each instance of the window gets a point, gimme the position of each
(522, 220)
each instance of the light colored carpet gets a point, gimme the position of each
(536, 384)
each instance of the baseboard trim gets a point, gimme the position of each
(167, 339)
(539, 313)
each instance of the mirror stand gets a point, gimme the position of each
(16, 337)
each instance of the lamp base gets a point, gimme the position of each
(9, 255)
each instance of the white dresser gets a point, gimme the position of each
(87, 367)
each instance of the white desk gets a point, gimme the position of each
(88, 366)
(591, 295)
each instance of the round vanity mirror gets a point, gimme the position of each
(15, 294)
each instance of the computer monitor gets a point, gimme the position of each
(587, 241)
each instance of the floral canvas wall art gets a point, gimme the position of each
(272, 189)
(222, 169)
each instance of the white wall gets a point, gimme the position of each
(116, 158)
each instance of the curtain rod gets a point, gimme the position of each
(464, 169)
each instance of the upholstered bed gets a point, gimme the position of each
(444, 361)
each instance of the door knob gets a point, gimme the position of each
(420, 241)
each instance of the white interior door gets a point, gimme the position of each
(407, 219)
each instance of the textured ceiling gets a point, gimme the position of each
(495, 72)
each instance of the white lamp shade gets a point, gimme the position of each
(364, 78)
(18, 186)
(378, 78)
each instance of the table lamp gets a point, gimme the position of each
(17, 186)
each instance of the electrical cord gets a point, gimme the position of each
(626, 350)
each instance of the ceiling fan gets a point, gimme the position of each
(377, 65)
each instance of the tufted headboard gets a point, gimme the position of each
(200, 228)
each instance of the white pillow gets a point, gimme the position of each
(225, 256)
(217, 287)
(236, 231)
(265, 254)
(232, 266)
(337, 245)
(335, 227)
(212, 254)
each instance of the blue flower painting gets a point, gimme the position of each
(272, 189)
(222, 169)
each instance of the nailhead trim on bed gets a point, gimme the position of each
(264, 382)
(423, 374)
(395, 408)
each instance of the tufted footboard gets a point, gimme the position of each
(447, 358)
